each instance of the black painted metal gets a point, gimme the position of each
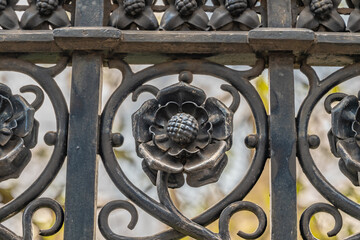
(83, 131)
(180, 134)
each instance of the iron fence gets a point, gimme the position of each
(181, 134)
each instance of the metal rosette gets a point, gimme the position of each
(317, 90)
(135, 83)
(45, 78)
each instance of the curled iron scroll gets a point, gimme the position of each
(165, 211)
(44, 77)
(317, 90)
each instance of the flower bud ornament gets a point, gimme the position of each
(134, 7)
(46, 7)
(3, 4)
(321, 8)
(186, 7)
(236, 7)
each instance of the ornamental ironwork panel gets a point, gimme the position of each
(183, 135)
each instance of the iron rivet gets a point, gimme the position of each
(50, 138)
(251, 141)
(117, 139)
(314, 141)
(186, 77)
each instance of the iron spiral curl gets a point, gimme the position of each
(44, 77)
(134, 83)
(317, 89)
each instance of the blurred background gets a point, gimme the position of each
(191, 201)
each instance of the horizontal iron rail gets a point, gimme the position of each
(141, 47)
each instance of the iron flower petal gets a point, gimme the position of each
(206, 176)
(175, 180)
(356, 129)
(343, 116)
(171, 19)
(249, 18)
(354, 21)
(335, 22)
(31, 18)
(307, 19)
(180, 93)
(159, 160)
(349, 163)
(24, 116)
(162, 141)
(199, 19)
(220, 117)
(353, 3)
(119, 19)
(12, 3)
(333, 141)
(5, 135)
(142, 119)
(204, 136)
(59, 18)
(14, 156)
(336, 3)
(206, 158)
(147, 20)
(6, 109)
(220, 18)
(30, 140)
(9, 19)
(177, 150)
(164, 113)
(199, 113)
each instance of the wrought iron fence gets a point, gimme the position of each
(181, 134)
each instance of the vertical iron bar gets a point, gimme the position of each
(85, 104)
(282, 130)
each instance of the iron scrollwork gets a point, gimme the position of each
(18, 134)
(342, 137)
(182, 131)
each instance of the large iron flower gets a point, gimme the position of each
(344, 136)
(18, 133)
(184, 15)
(134, 14)
(321, 15)
(44, 13)
(234, 15)
(182, 131)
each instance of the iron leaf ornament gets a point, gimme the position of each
(8, 18)
(234, 15)
(183, 131)
(321, 15)
(134, 14)
(44, 13)
(344, 136)
(184, 15)
(354, 18)
(18, 132)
